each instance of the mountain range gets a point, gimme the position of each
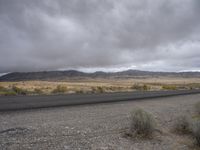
(70, 74)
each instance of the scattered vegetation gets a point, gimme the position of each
(194, 86)
(60, 89)
(80, 91)
(19, 91)
(98, 89)
(143, 87)
(2, 88)
(142, 123)
(190, 125)
(169, 87)
(182, 125)
(98, 85)
(197, 107)
(12, 91)
(8, 93)
(38, 91)
(196, 131)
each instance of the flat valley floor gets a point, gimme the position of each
(96, 126)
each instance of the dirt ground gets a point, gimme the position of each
(95, 127)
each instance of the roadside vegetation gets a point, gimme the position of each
(197, 108)
(95, 86)
(142, 125)
(38, 91)
(182, 125)
(142, 87)
(60, 89)
(19, 91)
(14, 90)
(169, 87)
(190, 125)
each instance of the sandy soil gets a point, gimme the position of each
(96, 127)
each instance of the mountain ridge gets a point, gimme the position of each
(62, 75)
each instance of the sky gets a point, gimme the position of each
(107, 35)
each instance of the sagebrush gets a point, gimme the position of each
(182, 125)
(142, 123)
(196, 131)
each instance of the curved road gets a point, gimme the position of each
(8, 103)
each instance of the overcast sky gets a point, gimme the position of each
(159, 35)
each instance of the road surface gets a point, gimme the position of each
(8, 103)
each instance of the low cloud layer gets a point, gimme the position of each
(90, 34)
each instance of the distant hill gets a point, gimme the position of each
(70, 74)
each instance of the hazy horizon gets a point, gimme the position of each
(93, 70)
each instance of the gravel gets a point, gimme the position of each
(95, 127)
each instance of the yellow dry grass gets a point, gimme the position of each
(108, 85)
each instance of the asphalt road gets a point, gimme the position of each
(8, 103)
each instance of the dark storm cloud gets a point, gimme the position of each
(142, 34)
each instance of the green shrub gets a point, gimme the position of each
(142, 123)
(60, 89)
(169, 87)
(19, 91)
(6, 92)
(10, 93)
(182, 125)
(196, 131)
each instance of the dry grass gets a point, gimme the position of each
(169, 87)
(60, 89)
(142, 87)
(103, 85)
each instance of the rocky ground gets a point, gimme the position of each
(95, 127)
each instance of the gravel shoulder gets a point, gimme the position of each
(97, 126)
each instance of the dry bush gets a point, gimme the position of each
(38, 91)
(19, 91)
(182, 125)
(101, 89)
(60, 89)
(196, 131)
(98, 89)
(138, 87)
(146, 87)
(142, 123)
(197, 107)
(169, 87)
(80, 91)
(2, 88)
